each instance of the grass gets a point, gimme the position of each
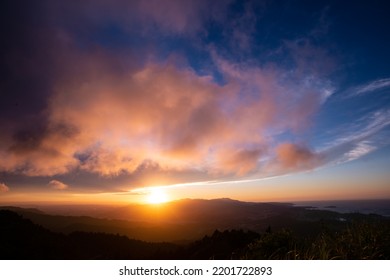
(358, 240)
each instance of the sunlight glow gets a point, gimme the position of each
(157, 196)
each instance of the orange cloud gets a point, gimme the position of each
(160, 113)
(104, 119)
(238, 162)
(57, 185)
(291, 156)
(3, 188)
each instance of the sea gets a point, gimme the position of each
(379, 207)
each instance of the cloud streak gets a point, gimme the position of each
(376, 85)
(373, 86)
(361, 149)
(358, 139)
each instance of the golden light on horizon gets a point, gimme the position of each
(157, 196)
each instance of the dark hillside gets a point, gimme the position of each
(363, 237)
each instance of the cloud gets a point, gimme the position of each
(111, 112)
(159, 113)
(239, 162)
(176, 16)
(365, 127)
(240, 29)
(295, 157)
(171, 17)
(278, 98)
(306, 55)
(3, 188)
(57, 185)
(371, 86)
(40, 152)
(361, 149)
(358, 139)
(112, 122)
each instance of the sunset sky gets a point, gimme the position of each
(253, 100)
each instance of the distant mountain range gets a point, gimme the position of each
(195, 229)
(186, 220)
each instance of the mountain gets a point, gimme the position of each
(363, 237)
(177, 221)
(186, 220)
(221, 211)
(22, 239)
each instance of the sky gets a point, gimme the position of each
(103, 101)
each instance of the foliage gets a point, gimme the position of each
(359, 240)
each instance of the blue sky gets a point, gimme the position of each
(254, 100)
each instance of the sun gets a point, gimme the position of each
(157, 196)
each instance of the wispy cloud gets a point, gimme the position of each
(358, 139)
(361, 149)
(369, 87)
(146, 190)
(257, 178)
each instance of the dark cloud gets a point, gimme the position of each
(29, 55)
